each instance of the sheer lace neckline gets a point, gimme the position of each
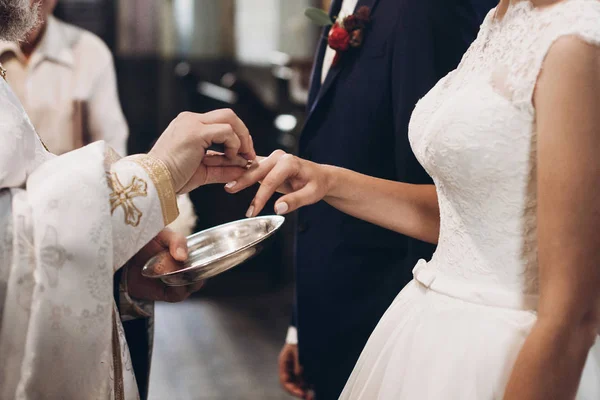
(513, 8)
(519, 8)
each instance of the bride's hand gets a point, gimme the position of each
(302, 182)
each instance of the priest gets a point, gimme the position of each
(68, 222)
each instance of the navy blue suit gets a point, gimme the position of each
(348, 271)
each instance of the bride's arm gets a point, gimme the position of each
(409, 209)
(567, 98)
(405, 208)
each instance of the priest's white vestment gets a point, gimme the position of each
(67, 223)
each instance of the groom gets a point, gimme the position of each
(349, 271)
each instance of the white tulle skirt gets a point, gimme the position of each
(430, 346)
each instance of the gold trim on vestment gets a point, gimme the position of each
(119, 388)
(163, 182)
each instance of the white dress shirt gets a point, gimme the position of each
(348, 8)
(68, 88)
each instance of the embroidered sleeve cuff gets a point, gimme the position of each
(129, 308)
(161, 177)
(292, 336)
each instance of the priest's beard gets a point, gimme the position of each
(17, 17)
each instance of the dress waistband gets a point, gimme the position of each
(470, 292)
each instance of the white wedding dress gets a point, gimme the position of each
(455, 331)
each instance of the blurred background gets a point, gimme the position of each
(253, 56)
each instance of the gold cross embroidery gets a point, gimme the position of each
(123, 197)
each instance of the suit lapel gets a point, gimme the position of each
(315, 79)
(321, 90)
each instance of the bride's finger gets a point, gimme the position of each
(284, 169)
(256, 173)
(295, 200)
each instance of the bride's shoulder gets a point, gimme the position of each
(567, 7)
(562, 30)
(570, 17)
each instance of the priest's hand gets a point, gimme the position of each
(141, 288)
(183, 148)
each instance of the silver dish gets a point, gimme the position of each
(214, 251)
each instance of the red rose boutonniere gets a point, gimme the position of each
(345, 33)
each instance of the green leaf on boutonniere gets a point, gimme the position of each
(318, 16)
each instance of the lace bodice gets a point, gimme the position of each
(475, 134)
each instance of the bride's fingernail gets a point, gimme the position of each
(250, 212)
(230, 185)
(281, 208)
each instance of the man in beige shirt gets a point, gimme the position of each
(65, 79)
